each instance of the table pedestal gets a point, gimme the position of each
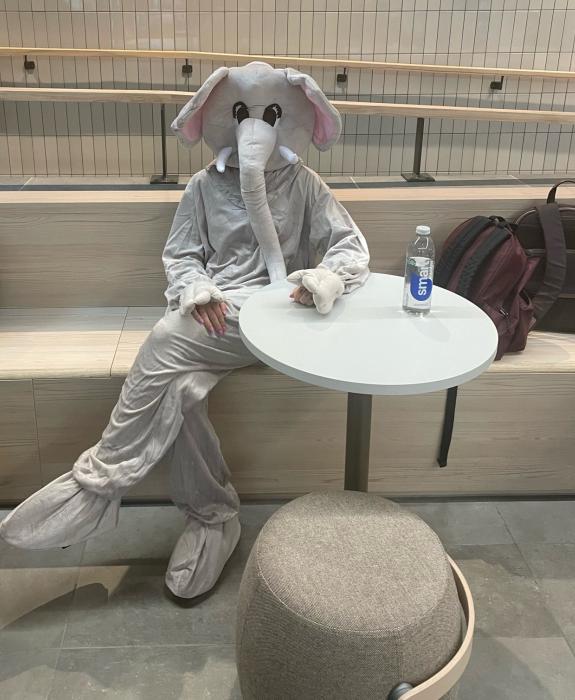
(357, 442)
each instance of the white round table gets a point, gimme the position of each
(368, 345)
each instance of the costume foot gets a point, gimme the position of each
(59, 515)
(200, 555)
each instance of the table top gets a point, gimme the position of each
(368, 344)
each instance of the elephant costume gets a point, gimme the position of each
(255, 215)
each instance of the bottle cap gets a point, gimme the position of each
(423, 231)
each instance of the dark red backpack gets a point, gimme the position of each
(483, 261)
(514, 272)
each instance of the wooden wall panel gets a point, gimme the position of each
(104, 248)
(279, 436)
(71, 415)
(83, 255)
(513, 435)
(389, 225)
(19, 462)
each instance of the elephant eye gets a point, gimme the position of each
(240, 112)
(272, 113)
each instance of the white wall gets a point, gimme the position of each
(124, 140)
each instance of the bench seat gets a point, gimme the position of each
(103, 342)
(61, 371)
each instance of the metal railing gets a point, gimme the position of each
(420, 112)
(164, 97)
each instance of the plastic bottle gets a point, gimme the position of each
(419, 264)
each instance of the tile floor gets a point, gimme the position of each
(93, 620)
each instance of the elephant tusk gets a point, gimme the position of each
(222, 158)
(288, 154)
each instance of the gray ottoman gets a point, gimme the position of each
(344, 596)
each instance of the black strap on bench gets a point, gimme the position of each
(448, 423)
(473, 265)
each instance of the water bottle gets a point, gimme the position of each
(419, 263)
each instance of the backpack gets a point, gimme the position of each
(547, 233)
(483, 261)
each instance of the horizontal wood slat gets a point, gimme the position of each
(295, 61)
(78, 355)
(392, 109)
(17, 94)
(104, 248)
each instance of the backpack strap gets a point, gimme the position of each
(553, 190)
(448, 423)
(451, 256)
(555, 257)
(485, 250)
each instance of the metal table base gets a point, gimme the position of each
(358, 435)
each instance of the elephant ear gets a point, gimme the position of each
(188, 124)
(327, 125)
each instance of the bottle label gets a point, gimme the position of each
(421, 285)
(418, 282)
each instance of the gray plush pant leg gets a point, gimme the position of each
(174, 371)
(199, 476)
(164, 398)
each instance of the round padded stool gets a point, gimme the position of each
(348, 596)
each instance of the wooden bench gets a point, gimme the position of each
(75, 270)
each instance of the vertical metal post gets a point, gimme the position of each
(417, 175)
(357, 442)
(164, 178)
(418, 146)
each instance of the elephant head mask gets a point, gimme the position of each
(258, 118)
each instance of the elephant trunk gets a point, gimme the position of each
(256, 142)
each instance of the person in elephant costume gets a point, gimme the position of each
(253, 216)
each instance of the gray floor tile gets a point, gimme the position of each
(377, 178)
(88, 180)
(253, 518)
(536, 178)
(553, 565)
(27, 675)
(550, 561)
(34, 606)
(114, 626)
(519, 669)
(125, 605)
(479, 178)
(161, 673)
(464, 523)
(338, 178)
(143, 533)
(149, 533)
(14, 179)
(540, 521)
(12, 557)
(507, 599)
